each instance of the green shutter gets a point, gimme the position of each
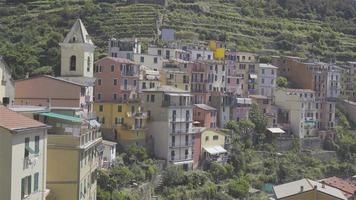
(35, 187)
(23, 188)
(29, 185)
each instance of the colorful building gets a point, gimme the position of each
(204, 116)
(23, 157)
(266, 80)
(348, 81)
(212, 146)
(170, 124)
(240, 108)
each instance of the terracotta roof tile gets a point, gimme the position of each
(14, 121)
(341, 184)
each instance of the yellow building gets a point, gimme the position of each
(123, 122)
(212, 145)
(175, 78)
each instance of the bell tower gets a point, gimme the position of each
(77, 52)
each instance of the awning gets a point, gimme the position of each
(63, 117)
(95, 124)
(183, 162)
(253, 76)
(215, 150)
(276, 130)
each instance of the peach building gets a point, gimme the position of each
(204, 115)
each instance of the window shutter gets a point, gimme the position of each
(22, 188)
(29, 184)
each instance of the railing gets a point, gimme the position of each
(137, 114)
(128, 87)
(129, 73)
(89, 115)
(89, 137)
(170, 103)
(183, 131)
(183, 158)
(178, 145)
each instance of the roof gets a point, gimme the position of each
(341, 184)
(296, 90)
(28, 108)
(215, 150)
(166, 89)
(120, 60)
(264, 65)
(295, 187)
(276, 130)
(79, 32)
(109, 143)
(63, 117)
(204, 107)
(13, 121)
(257, 96)
(80, 81)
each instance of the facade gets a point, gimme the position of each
(222, 103)
(72, 156)
(168, 53)
(77, 52)
(153, 61)
(124, 48)
(204, 115)
(240, 108)
(7, 87)
(266, 80)
(23, 157)
(177, 79)
(348, 84)
(307, 189)
(170, 124)
(323, 78)
(108, 154)
(212, 146)
(149, 78)
(117, 101)
(199, 86)
(298, 109)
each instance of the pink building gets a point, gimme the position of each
(199, 88)
(240, 108)
(205, 115)
(117, 80)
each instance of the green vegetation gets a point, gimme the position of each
(31, 29)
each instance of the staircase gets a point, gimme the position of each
(158, 186)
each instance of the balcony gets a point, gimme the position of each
(172, 103)
(137, 115)
(133, 127)
(129, 73)
(181, 158)
(128, 87)
(180, 120)
(183, 131)
(88, 115)
(183, 145)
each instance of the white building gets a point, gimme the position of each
(77, 52)
(153, 61)
(171, 124)
(109, 153)
(148, 78)
(23, 157)
(297, 108)
(201, 54)
(124, 48)
(266, 80)
(7, 88)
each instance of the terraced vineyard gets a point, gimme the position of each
(30, 31)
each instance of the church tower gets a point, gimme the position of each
(77, 52)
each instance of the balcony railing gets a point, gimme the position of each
(138, 115)
(170, 103)
(181, 158)
(89, 137)
(179, 145)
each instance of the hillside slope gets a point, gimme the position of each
(323, 29)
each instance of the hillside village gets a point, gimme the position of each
(198, 118)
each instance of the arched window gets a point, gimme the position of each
(73, 63)
(89, 63)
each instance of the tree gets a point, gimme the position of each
(282, 81)
(238, 188)
(173, 176)
(218, 171)
(258, 119)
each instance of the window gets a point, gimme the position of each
(147, 98)
(172, 155)
(112, 68)
(155, 60)
(35, 184)
(25, 187)
(99, 96)
(206, 138)
(152, 98)
(88, 64)
(115, 81)
(144, 85)
(263, 81)
(114, 96)
(27, 147)
(73, 63)
(142, 59)
(101, 108)
(37, 144)
(159, 52)
(99, 81)
(119, 108)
